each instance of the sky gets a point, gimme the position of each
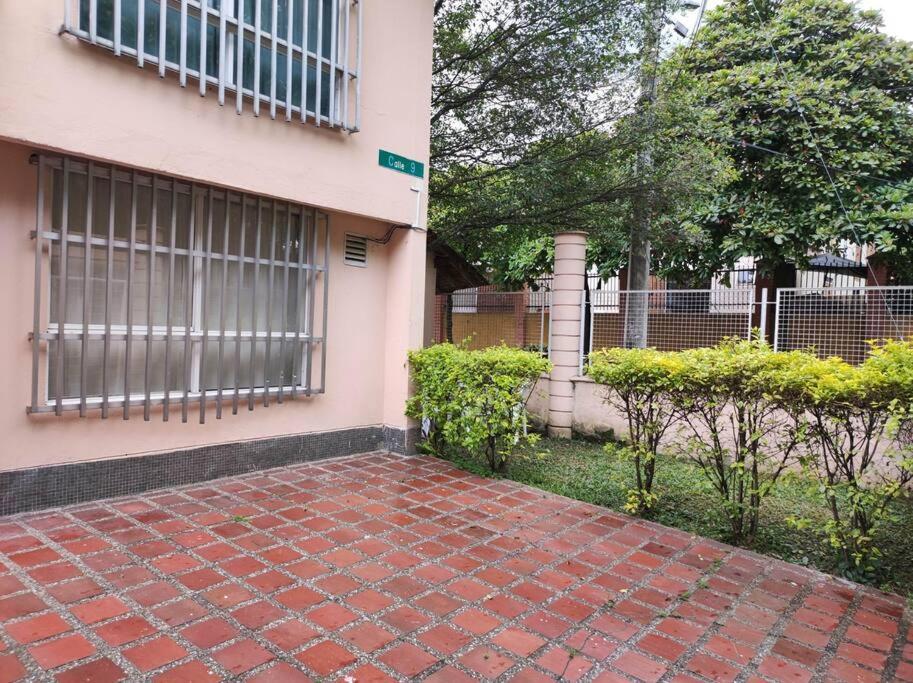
(897, 15)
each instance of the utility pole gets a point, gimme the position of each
(637, 297)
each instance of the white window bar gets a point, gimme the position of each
(274, 53)
(140, 32)
(304, 49)
(182, 47)
(220, 44)
(149, 292)
(288, 62)
(258, 37)
(358, 66)
(318, 105)
(202, 71)
(117, 27)
(333, 94)
(239, 58)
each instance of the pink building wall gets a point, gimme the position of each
(63, 95)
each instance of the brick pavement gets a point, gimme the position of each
(379, 567)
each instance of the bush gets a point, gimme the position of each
(740, 431)
(638, 384)
(849, 411)
(474, 400)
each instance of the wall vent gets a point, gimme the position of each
(356, 251)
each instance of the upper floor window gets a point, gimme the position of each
(297, 58)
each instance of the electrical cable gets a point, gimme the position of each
(389, 234)
(795, 99)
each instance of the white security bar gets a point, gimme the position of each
(150, 291)
(299, 57)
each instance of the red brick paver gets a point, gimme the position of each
(384, 568)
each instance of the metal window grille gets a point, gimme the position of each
(154, 291)
(840, 321)
(300, 57)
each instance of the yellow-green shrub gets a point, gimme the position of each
(850, 410)
(739, 431)
(474, 400)
(638, 384)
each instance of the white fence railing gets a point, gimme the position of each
(830, 321)
(840, 321)
(671, 320)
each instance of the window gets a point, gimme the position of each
(260, 57)
(185, 291)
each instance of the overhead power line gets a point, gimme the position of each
(741, 142)
(814, 139)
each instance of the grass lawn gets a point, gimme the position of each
(583, 470)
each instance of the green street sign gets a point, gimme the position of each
(395, 162)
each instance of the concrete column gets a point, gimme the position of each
(405, 325)
(567, 289)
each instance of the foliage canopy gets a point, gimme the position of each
(535, 130)
(817, 108)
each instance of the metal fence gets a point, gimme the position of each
(831, 321)
(841, 321)
(480, 318)
(670, 320)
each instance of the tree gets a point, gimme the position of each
(804, 89)
(514, 73)
(535, 129)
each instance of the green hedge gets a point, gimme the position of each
(640, 383)
(474, 401)
(747, 414)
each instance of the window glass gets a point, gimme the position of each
(261, 296)
(266, 55)
(129, 31)
(129, 27)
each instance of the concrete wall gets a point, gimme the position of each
(61, 94)
(591, 416)
(431, 301)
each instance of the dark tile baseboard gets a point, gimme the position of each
(55, 485)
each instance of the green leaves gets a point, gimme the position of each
(746, 414)
(838, 91)
(639, 384)
(475, 400)
(535, 130)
